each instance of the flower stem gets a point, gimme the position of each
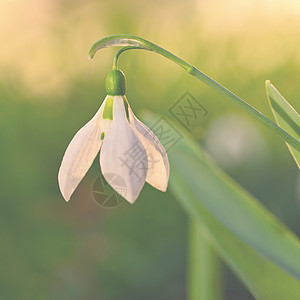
(115, 61)
(134, 42)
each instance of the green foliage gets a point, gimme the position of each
(48, 90)
(256, 245)
(285, 116)
(204, 277)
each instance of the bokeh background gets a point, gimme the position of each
(50, 249)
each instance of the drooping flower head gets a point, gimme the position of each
(129, 151)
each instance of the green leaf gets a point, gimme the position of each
(229, 211)
(234, 208)
(263, 279)
(286, 117)
(204, 270)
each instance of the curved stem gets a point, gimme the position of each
(139, 43)
(115, 61)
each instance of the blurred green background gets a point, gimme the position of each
(50, 249)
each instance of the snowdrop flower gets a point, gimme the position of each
(129, 150)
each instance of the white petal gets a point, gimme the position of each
(80, 154)
(158, 163)
(123, 158)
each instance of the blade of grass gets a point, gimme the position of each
(232, 206)
(204, 278)
(238, 211)
(264, 279)
(285, 116)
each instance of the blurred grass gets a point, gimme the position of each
(48, 90)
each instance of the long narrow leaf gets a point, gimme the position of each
(286, 117)
(264, 280)
(204, 278)
(233, 207)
